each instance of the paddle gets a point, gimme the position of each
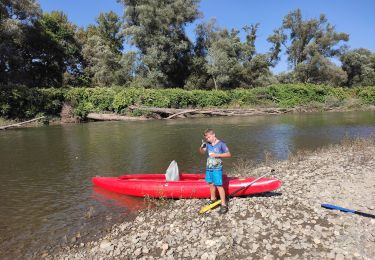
(330, 206)
(212, 205)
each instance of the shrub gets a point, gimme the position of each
(204, 98)
(17, 101)
(243, 97)
(366, 94)
(23, 102)
(127, 97)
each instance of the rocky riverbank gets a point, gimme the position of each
(287, 223)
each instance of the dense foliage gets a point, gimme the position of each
(40, 49)
(44, 58)
(23, 102)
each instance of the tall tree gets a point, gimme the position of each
(320, 70)
(232, 63)
(359, 64)
(224, 58)
(157, 29)
(104, 62)
(303, 38)
(109, 29)
(199, 77)
(308, 44)
(61, 52)
(101, 61)
(17, 19)
(36, 48)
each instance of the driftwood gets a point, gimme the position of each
(21, 123)
(181, 113)
(113, 117)
(169, 113)
(158, 110)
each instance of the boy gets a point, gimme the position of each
(214, 168)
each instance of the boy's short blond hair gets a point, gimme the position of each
(208, 131)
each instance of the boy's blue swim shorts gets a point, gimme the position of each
(214, 176)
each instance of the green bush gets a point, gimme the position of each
(297, 94)
(86, 100)
(178, 98)
(23, 102)
(127, 97)
(366, 94)
(243, 97)
(52, 100)
(204, 98)
(17, 101)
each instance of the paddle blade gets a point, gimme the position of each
(330, 206)
(208, 207)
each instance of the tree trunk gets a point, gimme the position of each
(216, 88)
(22, 123)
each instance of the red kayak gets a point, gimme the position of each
(189, 185)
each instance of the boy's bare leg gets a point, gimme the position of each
(222, 195)
(213, 191)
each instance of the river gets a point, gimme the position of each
(45, 173)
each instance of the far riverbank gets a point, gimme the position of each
(71, 119)
(71, 105)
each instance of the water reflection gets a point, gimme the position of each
(111, 199)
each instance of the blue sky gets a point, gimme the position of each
(355, 17)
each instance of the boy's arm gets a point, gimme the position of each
(222, 155)
(226, 153)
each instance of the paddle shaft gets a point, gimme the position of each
(329, 206)
(208, 207)
(251, 183)
(364, 214)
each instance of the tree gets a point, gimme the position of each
(109, 29)
(157, 29)
(17, 19)
(309, 44)
(104, 62)
(60, 51)
(223, 59)
(199, 76)
(37, 49)
(318, 69)
(232, 63)
(101, 61)
(257, 73)
(359, 64)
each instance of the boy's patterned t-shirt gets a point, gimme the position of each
(219, 148)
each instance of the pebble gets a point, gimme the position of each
(287, 224)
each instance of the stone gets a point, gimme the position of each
(204, 256)
(316, 241)
(105, 245)
(138, 252)
(210, 243)
(339, 257)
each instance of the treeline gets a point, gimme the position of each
(45, 50)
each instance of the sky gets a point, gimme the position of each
(355, 17)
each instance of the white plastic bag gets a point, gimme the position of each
(172, 173)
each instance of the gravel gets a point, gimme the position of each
(288, 223)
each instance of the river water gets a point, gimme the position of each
(46, 195)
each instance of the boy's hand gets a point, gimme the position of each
(204, 144)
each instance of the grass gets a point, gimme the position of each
(358, 145)
(4, 122)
